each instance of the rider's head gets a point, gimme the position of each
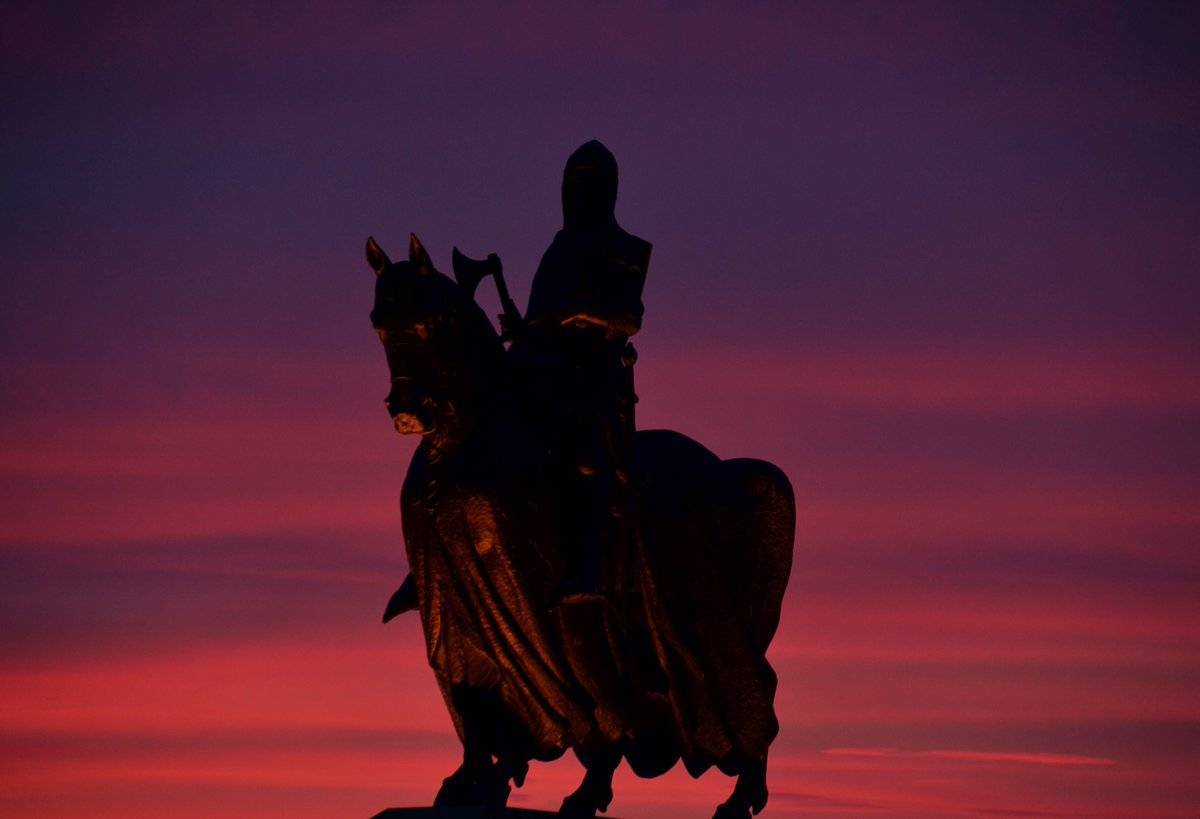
(589, 191)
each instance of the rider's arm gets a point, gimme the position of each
(614, 299)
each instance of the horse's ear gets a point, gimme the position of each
(418, 256)
(376, 257)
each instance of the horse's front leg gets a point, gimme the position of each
(489, 762)
(595, 791)
(478, 781)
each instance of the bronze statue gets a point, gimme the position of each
(581, 586)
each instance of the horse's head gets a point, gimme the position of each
(442, 351)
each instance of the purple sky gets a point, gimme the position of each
(938, 261)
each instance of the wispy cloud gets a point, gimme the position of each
(1028, 758)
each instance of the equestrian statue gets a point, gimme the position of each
(582, 585)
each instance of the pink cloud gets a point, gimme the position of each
(973, 756)
(1026, 758)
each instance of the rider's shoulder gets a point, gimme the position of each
(634, 249)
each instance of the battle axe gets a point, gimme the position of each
(470, 272)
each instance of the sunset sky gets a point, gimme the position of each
(937, 261)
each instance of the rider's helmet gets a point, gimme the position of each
(589, 189)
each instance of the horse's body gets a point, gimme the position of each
(697, 591)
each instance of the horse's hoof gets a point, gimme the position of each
(759, 801)
(582, 803)
(733, 809)
(574, 806)
(452, 794)
(473, 788)
(753, 791)
(454, 788)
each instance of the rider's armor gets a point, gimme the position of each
(585, 303)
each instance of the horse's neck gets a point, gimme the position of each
(483, 412)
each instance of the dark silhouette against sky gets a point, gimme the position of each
(937, 261)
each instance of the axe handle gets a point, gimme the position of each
(510, 307)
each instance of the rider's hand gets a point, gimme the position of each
(616, 328)
(581, 320)
(510, 326)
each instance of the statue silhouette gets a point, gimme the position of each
(580, 586)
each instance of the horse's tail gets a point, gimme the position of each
(768, 539)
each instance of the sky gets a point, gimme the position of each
(936, 260)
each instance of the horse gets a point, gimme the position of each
(702, 583)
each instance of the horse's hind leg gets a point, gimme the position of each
(595, 791)
(749, 794)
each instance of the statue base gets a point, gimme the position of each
(464, 812)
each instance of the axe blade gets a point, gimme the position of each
(470, 272)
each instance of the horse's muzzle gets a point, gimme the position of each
(410, 409)
(408, 423)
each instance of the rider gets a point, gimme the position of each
(585, 303)
(573, 353)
